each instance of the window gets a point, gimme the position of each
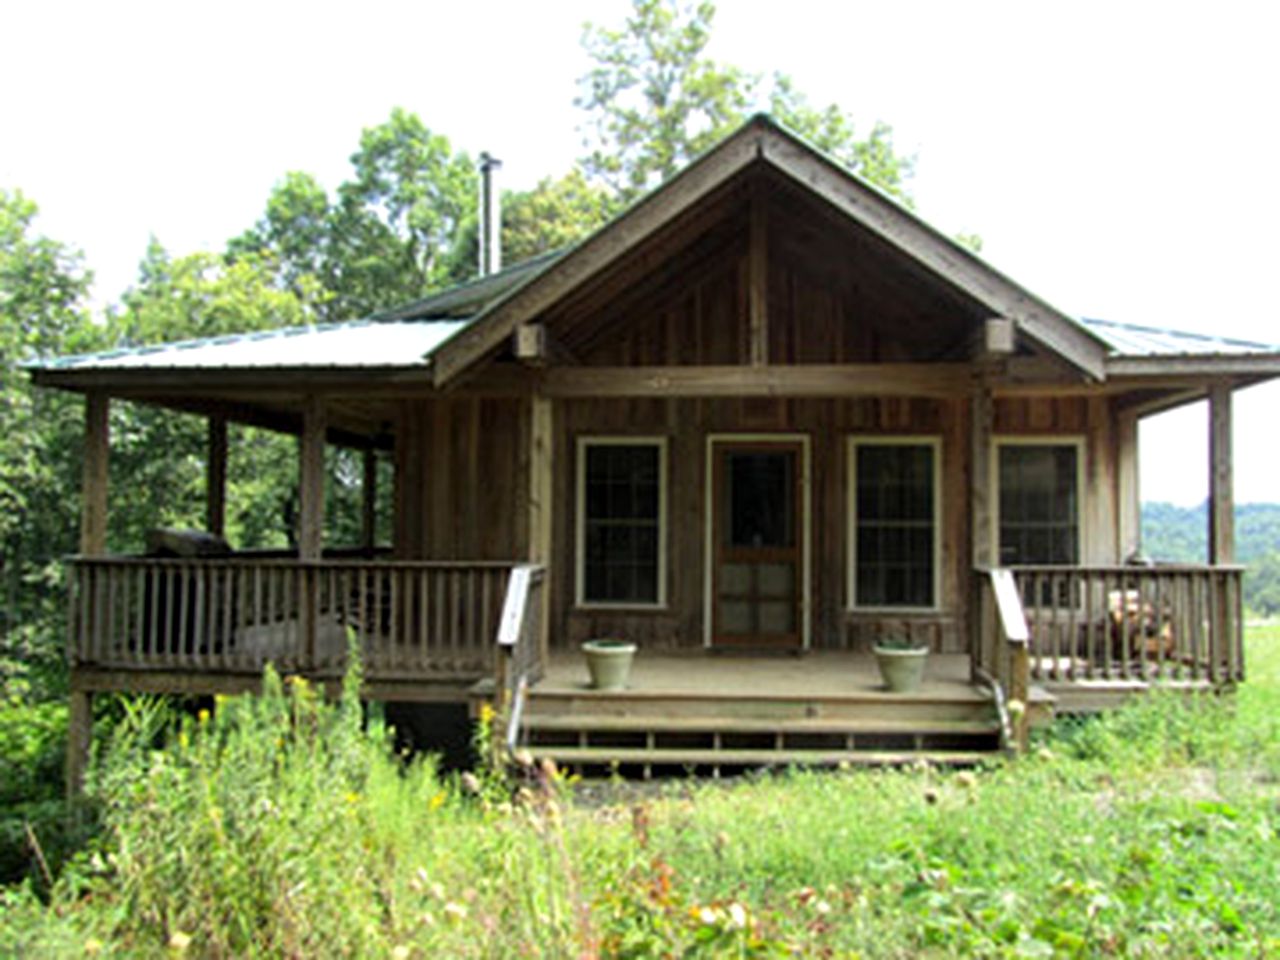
(621, 521)
(895, 509)
(1039, 514)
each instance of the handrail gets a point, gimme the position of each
(1006, 658)
(1007, 743)
(517, 653)
(517, 714)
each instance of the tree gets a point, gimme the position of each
(654, 101)
(206, 295)
(391, 233)
(43, 288)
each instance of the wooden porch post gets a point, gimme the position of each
(541, 475)
(93, 510)
(1129, 505)
(981, 418)
(311, 480)
(369, 494)
(216, 477)
(79, 738)
(1222, 527)
(93, 542)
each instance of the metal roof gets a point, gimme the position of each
(467, 299)
(360, 343)
(1134, 340)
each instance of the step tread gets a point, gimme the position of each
(950, 695)
(605, 723)
(740, 757)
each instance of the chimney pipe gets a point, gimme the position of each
(490, 216)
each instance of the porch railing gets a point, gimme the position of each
(1134, 622)
(411, 619)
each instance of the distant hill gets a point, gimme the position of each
(1181, 534)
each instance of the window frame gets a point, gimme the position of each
(1077, 442)
(854, 441)
(583, 444)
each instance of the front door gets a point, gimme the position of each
(757, 544)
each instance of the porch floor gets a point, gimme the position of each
(816, 674)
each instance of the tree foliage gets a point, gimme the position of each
(654, 100)
(43, 288)
(391, 233)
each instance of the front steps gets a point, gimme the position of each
(643, 733)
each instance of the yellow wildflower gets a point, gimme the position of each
(486, 713)
(203, 717)
(179, 941)
(436, 802)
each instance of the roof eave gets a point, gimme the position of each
(1263, 366)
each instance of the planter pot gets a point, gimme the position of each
(609, 662)
(902, 670)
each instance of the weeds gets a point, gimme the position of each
(286, 826)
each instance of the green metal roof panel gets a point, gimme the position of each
(1134, 340)
(361, 343)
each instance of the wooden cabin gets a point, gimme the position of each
(764, 419)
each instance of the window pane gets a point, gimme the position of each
(1039, 505)
(760, 499)
(894, 522)
(621, 523)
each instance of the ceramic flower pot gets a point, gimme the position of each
(902, 668)
(609, 662)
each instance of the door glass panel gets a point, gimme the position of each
(777, 580)
(735, 616)
(777, 617)
(760, 499)
(735, 579)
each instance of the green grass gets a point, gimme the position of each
(283, 827)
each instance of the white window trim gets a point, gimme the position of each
(851, 493)
(1040, 440)
(580, 513)
(806, 527)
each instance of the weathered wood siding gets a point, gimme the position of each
(461, 479)
(835, 294)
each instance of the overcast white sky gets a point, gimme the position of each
(1120, 159)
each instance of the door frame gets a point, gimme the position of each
(804, 520)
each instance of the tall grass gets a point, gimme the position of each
(284, 826)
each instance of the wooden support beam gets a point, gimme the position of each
(369, 501)
(93, 507)
(534, 345)
(215, 514)
(795, 380)
(79, 740)
(1222, 526)
(311, 480)
(999, 337)
(1128, 494)
(758, 279)
(541, 500)
(531, 344)
(986, 551)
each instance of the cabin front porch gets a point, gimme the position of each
(1046, 638)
